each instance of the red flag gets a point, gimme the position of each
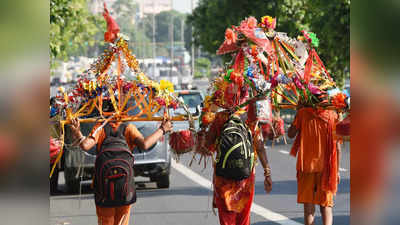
(112, 27)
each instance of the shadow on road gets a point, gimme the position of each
(337, 220)
(144, 189)
(188, 191)
(289, 187)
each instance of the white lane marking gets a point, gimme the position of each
(284, 152)
(257, 209)
(343, 170)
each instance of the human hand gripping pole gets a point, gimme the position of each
(166, 124)
(267, 180)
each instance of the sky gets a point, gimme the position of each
(183, 5)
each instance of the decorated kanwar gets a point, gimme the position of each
(270, 71)
(267, 71)
(104, 88)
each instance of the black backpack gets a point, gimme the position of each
(235, 156)
(114, 177)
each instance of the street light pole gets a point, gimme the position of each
(154, 41)
(172, 41)
(192, 58)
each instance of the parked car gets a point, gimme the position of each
(193, 99)
(154, 163)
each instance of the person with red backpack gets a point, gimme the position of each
(114, 179)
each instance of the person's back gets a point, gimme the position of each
(317, 161)
(112, 140)
(312, 125)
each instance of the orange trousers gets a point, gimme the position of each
(232, 218)
(113, 216)
(309, 190)
(235, 218)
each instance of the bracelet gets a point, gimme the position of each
(162, 128)
(81, 140)
(267, 172)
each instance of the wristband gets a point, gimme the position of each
(267, 172)
(81, 140)
(162, 128)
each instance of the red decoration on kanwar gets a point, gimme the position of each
(182, 141)
(112, 27)
(55, 148)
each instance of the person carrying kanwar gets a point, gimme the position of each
(114, 180)
(233, 197)
(318, 159)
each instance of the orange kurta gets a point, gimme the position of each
(313, 142)
(131, 133)
(315, 148)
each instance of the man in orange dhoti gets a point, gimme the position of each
(234, 198)
(317, 161)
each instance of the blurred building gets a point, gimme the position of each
(153, 6)
(96, 6)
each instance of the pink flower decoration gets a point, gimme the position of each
(252, 22)
(230, 36)
(314, 89)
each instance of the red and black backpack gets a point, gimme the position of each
(114, 182)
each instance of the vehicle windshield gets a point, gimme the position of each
(191, 99)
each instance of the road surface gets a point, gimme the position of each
(188, 200)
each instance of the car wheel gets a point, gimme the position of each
(71, 183)
(163, 181)
(54, 182)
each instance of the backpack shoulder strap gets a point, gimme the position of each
(120, 132)
(122, 128)
(107, 130)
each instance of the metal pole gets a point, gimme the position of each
(192, 59)
(154, 41)
(183, 43)
(183, 31)
(172, 40)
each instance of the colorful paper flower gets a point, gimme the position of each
(166, 86)
(236, 78)
(208, 118)
(339, 101)
(268, 22)
(311, 38)
(250, 72)
(230, 36)
(314, 89)
(297, 82)
(252, 22)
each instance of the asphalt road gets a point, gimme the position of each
(188, 200)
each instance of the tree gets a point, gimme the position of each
(162, 28)
(163, 20)
(202, 67)
(72, 28)
(330, 20)
(127, 16)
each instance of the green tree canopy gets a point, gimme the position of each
(202, 67)
(72, 28)
(162, 21)
(330, 20)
